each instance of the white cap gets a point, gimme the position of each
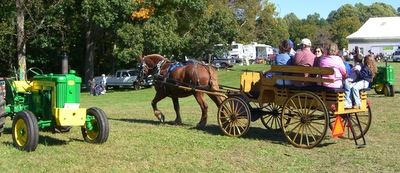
(305, 41)
(103, 75)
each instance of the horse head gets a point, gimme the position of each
(151, 64)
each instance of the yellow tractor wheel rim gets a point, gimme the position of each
(21, 132)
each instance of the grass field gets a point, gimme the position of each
(139, 143)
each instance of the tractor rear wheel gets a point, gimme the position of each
(96, 128)
(25, 131)
(386, 90)
(2, 114)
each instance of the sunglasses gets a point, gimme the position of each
(318, 51)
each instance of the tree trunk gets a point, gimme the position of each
(91, 34)
(21, 45)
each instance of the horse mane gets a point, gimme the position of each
(154, 58)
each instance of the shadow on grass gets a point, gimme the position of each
(152, 122)
(43, 139)
(254, 133)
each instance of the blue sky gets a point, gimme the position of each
(322, 7)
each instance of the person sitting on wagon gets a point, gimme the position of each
(304, 57)
(333, 61)
(362, 78)
(282, 58)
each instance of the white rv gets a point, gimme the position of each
(256, 51)
(236, 52)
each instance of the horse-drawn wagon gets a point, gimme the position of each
(303, 113)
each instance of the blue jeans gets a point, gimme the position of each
(352, 91)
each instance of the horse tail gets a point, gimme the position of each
(213, 78)
(214, 86)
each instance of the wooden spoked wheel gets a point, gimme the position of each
(365, 119)
(305, 119)
(234, 117)
(272, 119)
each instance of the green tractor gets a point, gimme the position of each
(49, 102)
(384, 80)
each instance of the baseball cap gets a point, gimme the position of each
(103, 75)
(305, 41)
(291, 43)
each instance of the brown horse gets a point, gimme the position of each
(170, 76)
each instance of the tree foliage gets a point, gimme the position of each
(105, 35)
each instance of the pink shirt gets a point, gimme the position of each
(340, 71)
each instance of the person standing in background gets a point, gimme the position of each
(103, 83)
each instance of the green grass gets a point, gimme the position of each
(139, 143)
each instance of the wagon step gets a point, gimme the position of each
(348, 117)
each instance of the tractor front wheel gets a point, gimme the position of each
(96, 128)
(25, 131)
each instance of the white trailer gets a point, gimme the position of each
(256, 51)
(237, 51)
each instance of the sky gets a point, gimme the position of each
(323, 7)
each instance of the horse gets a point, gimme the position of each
(169, 76)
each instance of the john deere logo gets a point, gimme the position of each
(71, 82)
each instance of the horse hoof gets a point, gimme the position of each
(200, 126)
(161, 118)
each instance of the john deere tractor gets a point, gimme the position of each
(384, 80)
(49, 102)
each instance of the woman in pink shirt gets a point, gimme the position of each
(333, 61)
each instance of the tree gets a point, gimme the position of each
(37, 12)
(7, 38)
(342, 28)
(272, 30)
(294, 26)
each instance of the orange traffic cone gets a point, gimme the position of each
(338, 128)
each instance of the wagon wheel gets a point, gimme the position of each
(2, 113)
(386, 90)
(234, 117)
(272, 119)
(35, 71)
(306, 119)
(96, 128)
(25, 131)
(365, 119)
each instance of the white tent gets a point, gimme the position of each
(380, 35)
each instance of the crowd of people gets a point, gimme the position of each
(352, 78)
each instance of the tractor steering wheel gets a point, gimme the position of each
(34, 70)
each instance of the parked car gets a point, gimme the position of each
(125, 78)
(220, 61)
(396, 55)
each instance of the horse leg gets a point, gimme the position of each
(204, 108)
(157, 112)
(217, 99)
(178, 119)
